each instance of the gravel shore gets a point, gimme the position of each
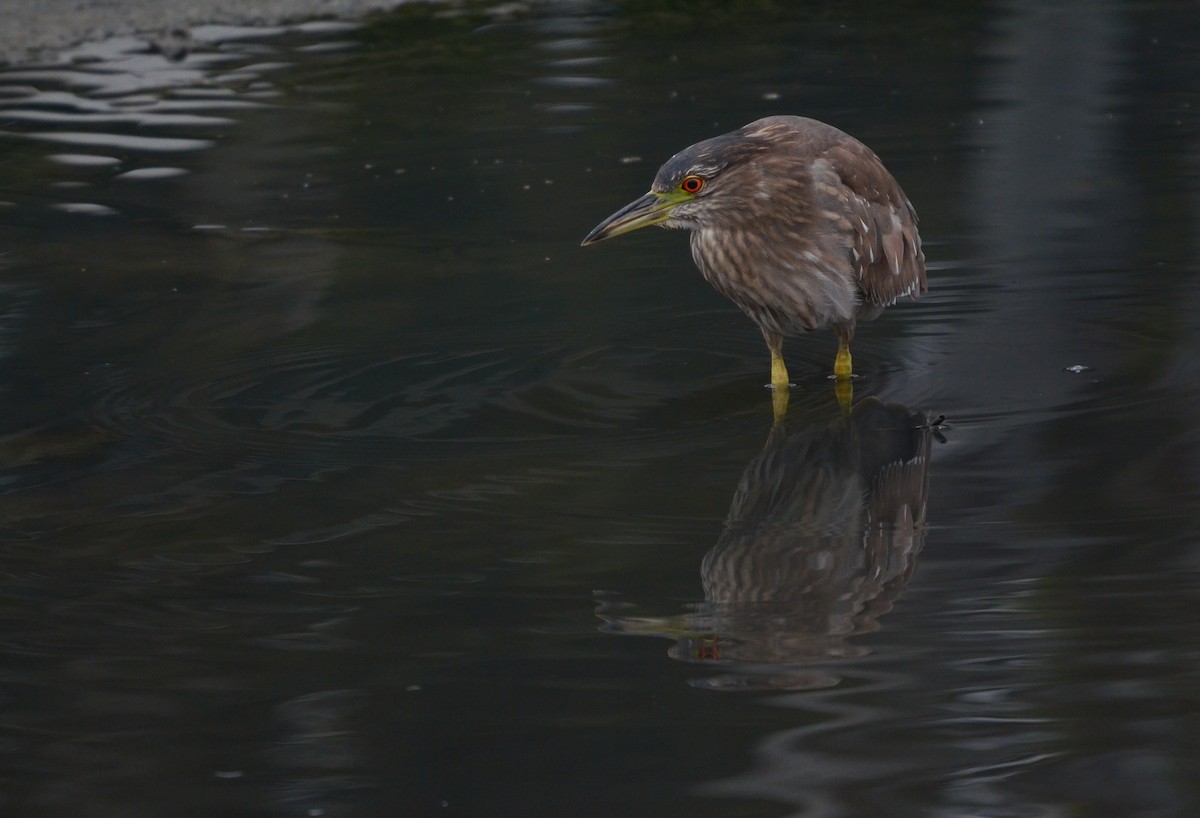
(33, 28)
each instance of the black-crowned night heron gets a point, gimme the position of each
(796, 222)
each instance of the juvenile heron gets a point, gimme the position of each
(796, 222)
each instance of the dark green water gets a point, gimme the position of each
(336, 479)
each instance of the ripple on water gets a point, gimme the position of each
(122, 142)
(118, 99)
(84, 160)
(326, 406)
(111, 119)
(155, 173)
(574, 82)
(85, 209)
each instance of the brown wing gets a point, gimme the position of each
(885, 244)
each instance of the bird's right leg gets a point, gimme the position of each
(843, 367)
(779, 376)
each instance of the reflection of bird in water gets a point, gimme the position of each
(821, 538)
(796, 222)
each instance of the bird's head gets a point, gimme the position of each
(694, 187)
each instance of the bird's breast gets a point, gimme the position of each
(786, 282)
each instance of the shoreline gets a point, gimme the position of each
(31, 30)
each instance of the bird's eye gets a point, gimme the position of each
(691, 184)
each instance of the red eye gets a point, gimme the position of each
(691, 184)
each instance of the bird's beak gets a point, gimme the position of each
(653, 208)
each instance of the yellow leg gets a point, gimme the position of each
(780, 385)
(779, 376)
(842, 367)
(779, 402)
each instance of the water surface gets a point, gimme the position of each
(336, 479)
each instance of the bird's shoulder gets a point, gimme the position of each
(863, 173)
(819, 145)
